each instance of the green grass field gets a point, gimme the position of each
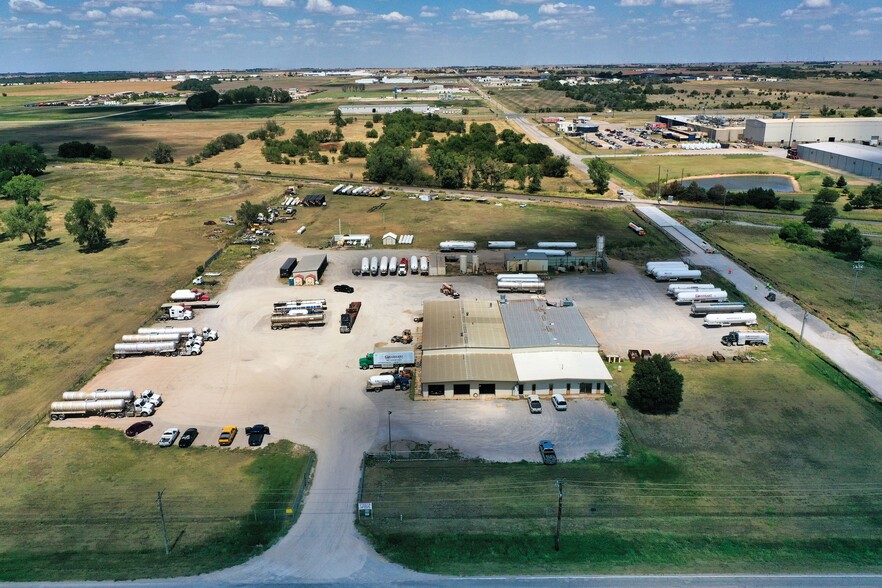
(819, 280)
(768, 467)
(88, 511)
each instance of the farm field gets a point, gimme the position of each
(89, 510)
(767, 468)
(520, 99)
(65, 309)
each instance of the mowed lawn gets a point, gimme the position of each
(64, 309)
(768, 467)
(80, 504)
(820, 281)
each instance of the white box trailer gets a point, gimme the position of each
(414, 264)
(664, 275)
(651, 265)
(384, 266)
(702, 296)
(393, 266)
(746, 338)
(338, 188)
(675, 289)
(729, 319)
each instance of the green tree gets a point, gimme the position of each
(828, 195)
(828, 182)
(862, 200)
(88, 225)
(19, 159)
(24, 189)
(820, 215)
(338, 120)
(372, 134)
(162, 153)
(556, 167)
(535, 184)
(600, 172)
(248, 213)
(655, 386)
(865, 111)
(26, 219)
(797, 233)
(846, 240)
(841, 182)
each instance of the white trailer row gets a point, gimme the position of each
(161, 348)
(352, 190)
(393, 266)
(101, 402)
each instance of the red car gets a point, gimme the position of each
(138, 427)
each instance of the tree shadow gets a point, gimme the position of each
(107, 244)
(40, 246)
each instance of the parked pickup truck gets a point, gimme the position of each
(546, 449)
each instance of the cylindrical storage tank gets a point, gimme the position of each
(414, 264)
(145, 347)
(674, 275)
(458, 246)
(518, 277)
(424, 265)
(87, 405)
(717, 307)
(384, 265)
(549, 252)
(184, 331)
(393, 266)
(600, 246)
(152, 338)
(651, 265)
(382, 380)
(501, 245)
(702, 295)
(556, 245)
(100, 395)
(675, 289)
(735, 318)
(183, 296)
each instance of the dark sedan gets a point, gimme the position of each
(137, 428)
(188, 437)
(255, 434)
(344, 288)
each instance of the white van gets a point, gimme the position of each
(558, 402)
(535, 404)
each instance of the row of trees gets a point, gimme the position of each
(625, 95)
(255, 95)
(759, 197)
(846, 240)
(300, 144)
(76, 149)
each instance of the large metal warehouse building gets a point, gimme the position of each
(860, 160)
(489, 348)
(782, 132)
(348, 109)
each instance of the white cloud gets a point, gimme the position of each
(429, 11)
(861, 33)
(634, 3)
(702, 3)
(395, 17)
(304, 23)
(564, 8)
(755, 22)
(127, 12)
(88, 15)
(32, 7)
(276, 3)
(813, 9)
(328, 7)
(825, 28)
(206, 9)
(494, 16)
(33, 26)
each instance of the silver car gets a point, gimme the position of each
(169, 437)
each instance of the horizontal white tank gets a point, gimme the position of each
(381, 380)
(165, 346)
(651, 265)
(702, 296)
(518, 278)
(501, 244)
(734, 318)
(520, 286)
(549, 252)
(100, 395)
(674, 289)
(556, 245)
(167, 330)
(458, 245)
(87, 405)
(673, 276)
(152, 338)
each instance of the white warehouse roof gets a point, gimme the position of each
(856, 151)
(548, 366)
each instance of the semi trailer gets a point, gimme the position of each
(153, 338)
(501, 244)
(393, 266)
(702, 308)
(283, 321)
(468, 246)
(746, 338)
(675, 289)
(347, 319)
(396, 381)
(58, 411)
(365, 266)
(384, 266)
(549, 252)
(388, 357)
(287, 267)
(424, 266)
(100, 394)
(375, 266)
(316, 305)
(414, 264)
(176, 312)
(523, 287)
(729, 319)
(518, 278)
(702, 296)
(556, 245)
(165, 348)
(651, 265)
(208, 334)
(675, 275)
(188, 295)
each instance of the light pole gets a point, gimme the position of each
(802, 330)
(390, 436)
(858, 267)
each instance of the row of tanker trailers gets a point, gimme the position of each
(164, 341)
(392, 266)
(108, 403)
(707, 301)
(298, 313)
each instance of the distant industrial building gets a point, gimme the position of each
(860, 160)
(350, 109)
(696, 127)
(489, 348)
(783, 132)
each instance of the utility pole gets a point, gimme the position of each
(162, 520)
(802, 330)
(390, 436)
(559, 513)
(658, 186)
(858, 267)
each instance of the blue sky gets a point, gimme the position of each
(68, 35)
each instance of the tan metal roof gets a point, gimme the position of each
(457, 324)
(468, 366)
